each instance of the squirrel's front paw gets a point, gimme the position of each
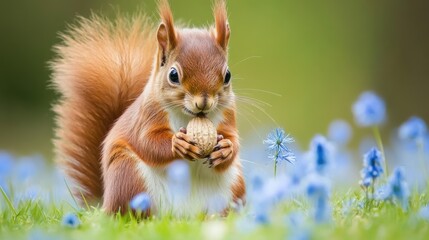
(222, 152)
(184, 147)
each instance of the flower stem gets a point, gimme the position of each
(380, 145)
(275, 168)
(366, 196)
(276, 156)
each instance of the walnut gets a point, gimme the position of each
(203, 132)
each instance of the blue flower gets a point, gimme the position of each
(369, 110)
(178, 171)
(397, 188)
(29, 167)
(276, 142)
(297, 228)
(413, 129)
(266, 194)
(348, 206)
(71, 220)
(365, 182)
(261, 207)
(295, 219)
(424, 213)
(372, 168)
(318, 191)
(321, 152)
(6, 164)
(383, 193)
(179, 179)
(140, 202)
(300, 234)
(31, 194)
(257, 183)
(261, 217)
(340, 132)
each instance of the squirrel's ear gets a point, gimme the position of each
(166, 34)
(222, 30)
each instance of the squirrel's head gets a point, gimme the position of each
(191, 66)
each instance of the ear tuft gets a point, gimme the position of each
(166, 33)
(221, 23)
(162, 37)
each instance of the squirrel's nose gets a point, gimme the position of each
(203, 102)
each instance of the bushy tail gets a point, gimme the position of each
(100, 69)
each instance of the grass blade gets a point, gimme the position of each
(9, 203)
(84, 200)
(71, 194)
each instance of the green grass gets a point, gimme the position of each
(380, 220)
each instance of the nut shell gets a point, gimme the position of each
(204, 134)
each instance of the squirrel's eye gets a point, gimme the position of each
(227, 77)
(173, 76)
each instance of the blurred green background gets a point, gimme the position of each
(319, 55)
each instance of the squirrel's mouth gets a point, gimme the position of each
(189, 112)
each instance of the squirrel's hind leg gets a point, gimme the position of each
(238, 189)
(121, 181)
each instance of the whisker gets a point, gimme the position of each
(255, 100)
(258, 90)
(248, 120)
(250, 103)
(262, 110)
(244, 160)
(245, 117)
(251, 110)
(248, 58)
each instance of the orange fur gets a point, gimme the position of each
(101, 67)
(228, 130)
(221, 23)
(118, 106)
(167, 20)
(122, 166)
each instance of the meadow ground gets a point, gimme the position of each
(311, 194)
(36, 220)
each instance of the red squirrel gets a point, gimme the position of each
(127, 90)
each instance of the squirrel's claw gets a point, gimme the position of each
(221, 152)
(182, 130)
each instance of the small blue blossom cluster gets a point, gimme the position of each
(424, 213)
(178, 177)
(140, 202)
(298, 228)
(396, 189)
(321, 153)
(369, 110)
(71, 220)
(317, 184)
(278, 150)
(265, 194)
(309, 179)
(311, 173)
(413, 129)
(30, 178)
(318, 191)
(340, 132)
(372, 167)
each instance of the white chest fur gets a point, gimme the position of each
(209, 191)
